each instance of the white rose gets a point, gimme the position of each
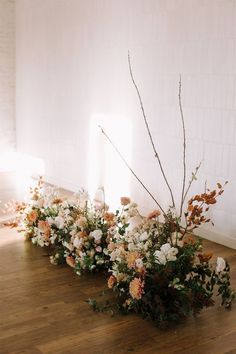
(171, 255)
(134, 221)
(77, 242)
(160, 257)
(144, 236)
(96, 234)
(139, 263)
(165, 248)
(220, 264)
(68, 245)
(59, 222)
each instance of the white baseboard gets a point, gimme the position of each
(222, 239)
(61, 183)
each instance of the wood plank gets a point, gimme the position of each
(43, 310)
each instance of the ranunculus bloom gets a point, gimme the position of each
(154, 214)
(220, 264)
(70, 261)
(44, 227)
(109, 217)
(125, 200)
(111, 281)
(32, 216)
(205, 257)
(57, 201)
(136, 288)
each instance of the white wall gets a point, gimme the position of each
(72, 74)
(7, 76)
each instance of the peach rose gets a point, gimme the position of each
(154, 214)
(57, 201)
(109, 217)
(81, 221)
(111, 281)
(205, 257)
(44, 227)
(131, 258)
(136, 288)
(70, 261)
(125, 200)
(111, 246)
(32, 216)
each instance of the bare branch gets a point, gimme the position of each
(184, 148)
(194, 174)
(127, 165)
(149, 132)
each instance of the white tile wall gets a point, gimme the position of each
(7, 75)
(72, 66)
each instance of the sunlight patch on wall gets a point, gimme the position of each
(106, 169)
(22, 168)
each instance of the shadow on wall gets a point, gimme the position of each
(105, 168)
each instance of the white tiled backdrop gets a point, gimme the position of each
(72, 74)
(7, 76)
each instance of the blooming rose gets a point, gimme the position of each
(139, 263)
(96, 234)
(124, 201)
(81, 221)
(109, 217)
(111, 281)
(70, 261)
(77, 242)
(98, 249)
(205, 257)
(154, 214)
(59, 222)
(111, 246)
(220, 264)
(44, 227)
(131, 258)
(144, 236)
(136, 288)
(134, 221)
(166, 253)
(32, 216)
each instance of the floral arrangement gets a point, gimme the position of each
(75, 230)
(161, 272)
(156, 266)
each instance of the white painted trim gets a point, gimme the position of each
(217, 238)
(61, 183)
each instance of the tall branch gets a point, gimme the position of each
(184, 149)
(131, 170)
(194, 174)
(149, 132)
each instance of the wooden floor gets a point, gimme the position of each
(43, 310)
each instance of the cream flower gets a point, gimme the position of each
(220, 264)
(144, 236)
(136, 288)
(96, 234)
